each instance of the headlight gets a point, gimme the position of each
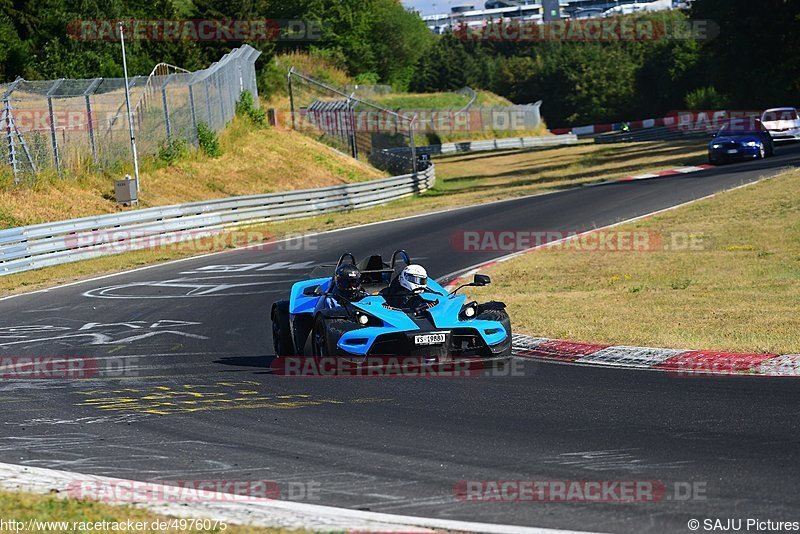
(362, 319)
(751, 143)
(469, 311)
(715, 146)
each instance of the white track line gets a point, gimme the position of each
(249, 510)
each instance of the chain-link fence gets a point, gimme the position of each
(388, 138)
(363, 129)
(65, 124)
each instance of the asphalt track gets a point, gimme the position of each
(183, 390)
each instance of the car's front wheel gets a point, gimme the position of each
(762, 151)
(501, 316)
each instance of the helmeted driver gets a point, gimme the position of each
(411, 281)
(347, 283)
(414, 278)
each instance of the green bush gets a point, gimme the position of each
(246, 107)
(171, 150)
(367, 78)
(208, 141)
(706, 98)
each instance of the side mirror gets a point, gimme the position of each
(481, 280)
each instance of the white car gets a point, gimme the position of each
(783, 123)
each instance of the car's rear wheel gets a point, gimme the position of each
(281, 336)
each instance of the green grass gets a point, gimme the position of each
(22, 506)
(438, 100)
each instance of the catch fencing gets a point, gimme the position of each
(333, 116)
(388, 138)
(66, 124)
(42, 245)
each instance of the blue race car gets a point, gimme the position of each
(431, 325)
(740, 139)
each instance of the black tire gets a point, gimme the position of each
(502, 317)
(325, 335)
(281, 336)
(771, 150)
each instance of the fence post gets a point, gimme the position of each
(413, 145)
(221, 101)
(53, 137)
(90, 126)
(192, 111)
(167, 124)
(352, 126)
(291, 96)
(206, 83)
(12, 152)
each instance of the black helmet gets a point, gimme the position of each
(348, 280)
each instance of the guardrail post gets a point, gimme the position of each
(53, 137)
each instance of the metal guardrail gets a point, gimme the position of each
(41, 245)
(660, 133)
(493, 144)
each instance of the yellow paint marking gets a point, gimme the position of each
(189, 398)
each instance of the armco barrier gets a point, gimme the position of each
(42, 245)
(492, 144)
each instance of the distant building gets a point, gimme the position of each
(532, 10)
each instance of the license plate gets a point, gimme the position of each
(429, 339)
(732, 151)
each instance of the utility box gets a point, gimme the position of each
(125, 191)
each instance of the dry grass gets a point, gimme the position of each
(25, 506)
(738, 292)
(449, 192)
(254, 160)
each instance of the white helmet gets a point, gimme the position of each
(414, 278)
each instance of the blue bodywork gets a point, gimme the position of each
(733, 143)
(444, 314)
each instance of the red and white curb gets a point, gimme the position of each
(244, 510)
(669, 172)
(670, 360)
